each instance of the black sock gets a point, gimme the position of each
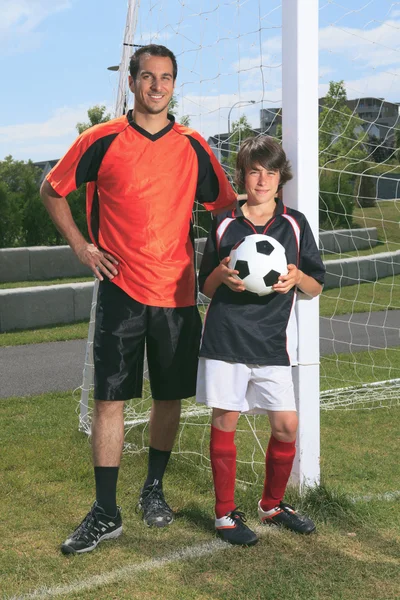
(158, 460)
(106, 489)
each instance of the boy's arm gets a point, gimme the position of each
(212, 272)
(309, 275)
(295, 277)
(222, 274)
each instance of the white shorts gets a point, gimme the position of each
(251, 389)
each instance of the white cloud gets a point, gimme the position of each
(20, 20)
(45, 140)
(376, 47)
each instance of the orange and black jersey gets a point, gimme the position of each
(140, 194)
(243, 327)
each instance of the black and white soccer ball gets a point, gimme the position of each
(260, 260)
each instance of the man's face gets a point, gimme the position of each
(154, 84)
(261, 184)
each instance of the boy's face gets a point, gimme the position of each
(261, 184)
(154, 84)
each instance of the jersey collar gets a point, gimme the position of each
(237, 212)
(150, 136)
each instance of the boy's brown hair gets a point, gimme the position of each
(265, 151)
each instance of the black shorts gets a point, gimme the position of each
(123, 327)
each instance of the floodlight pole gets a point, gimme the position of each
(300, 141)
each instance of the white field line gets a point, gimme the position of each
(125, 572)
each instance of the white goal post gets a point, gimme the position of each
(300, 142)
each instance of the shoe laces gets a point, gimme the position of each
(153, 499)
(237, 516)
(88, 523)
(288, 508)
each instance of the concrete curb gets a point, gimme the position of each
(23, 308)
(41, 263)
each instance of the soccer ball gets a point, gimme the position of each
(260, 260)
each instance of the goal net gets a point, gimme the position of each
(229, 87)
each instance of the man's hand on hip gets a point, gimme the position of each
(100, 262)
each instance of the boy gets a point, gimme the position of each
(249, 341)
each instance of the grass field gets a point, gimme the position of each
(385, 216)
(23, 284)
(47, 486)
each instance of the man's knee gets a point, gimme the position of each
(108, 408)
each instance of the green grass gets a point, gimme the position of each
(47, 486)
(57, 333)
(357, 368)
(366, 297)
(23, 284)
(385, 216)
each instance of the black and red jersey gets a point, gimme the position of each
(243, 327)
(141, 190)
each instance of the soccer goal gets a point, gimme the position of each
(251, 68)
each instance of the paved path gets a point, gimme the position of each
(57, 366)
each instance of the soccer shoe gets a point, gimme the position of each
(95, 527)
(232, 529)
(285, 515)
(156, 512)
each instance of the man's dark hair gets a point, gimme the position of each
(265, 151)
(152, 50)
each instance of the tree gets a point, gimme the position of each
(10, 218)
(172, 109)
(241, 130)
(342, 153)
(97, 114)
(397, 142)
(24, 218)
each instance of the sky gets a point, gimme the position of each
(54, 56)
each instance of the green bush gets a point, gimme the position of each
(365, 191)
(24, 220)
(10, 218)
(336, 202)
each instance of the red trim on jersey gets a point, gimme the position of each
(269, 225)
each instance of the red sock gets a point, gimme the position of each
(223, 463)
(278, 465)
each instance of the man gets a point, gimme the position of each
(143, 173)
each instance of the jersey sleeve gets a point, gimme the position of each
(310, 258)
(210, 258)
(82, 161)
(213, 188)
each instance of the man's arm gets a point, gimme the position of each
(218, 211)
(58, 208)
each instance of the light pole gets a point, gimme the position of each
(233, 106)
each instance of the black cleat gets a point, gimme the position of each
(95, 527)
(232, 529)
(156, 512)
(285, 515)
